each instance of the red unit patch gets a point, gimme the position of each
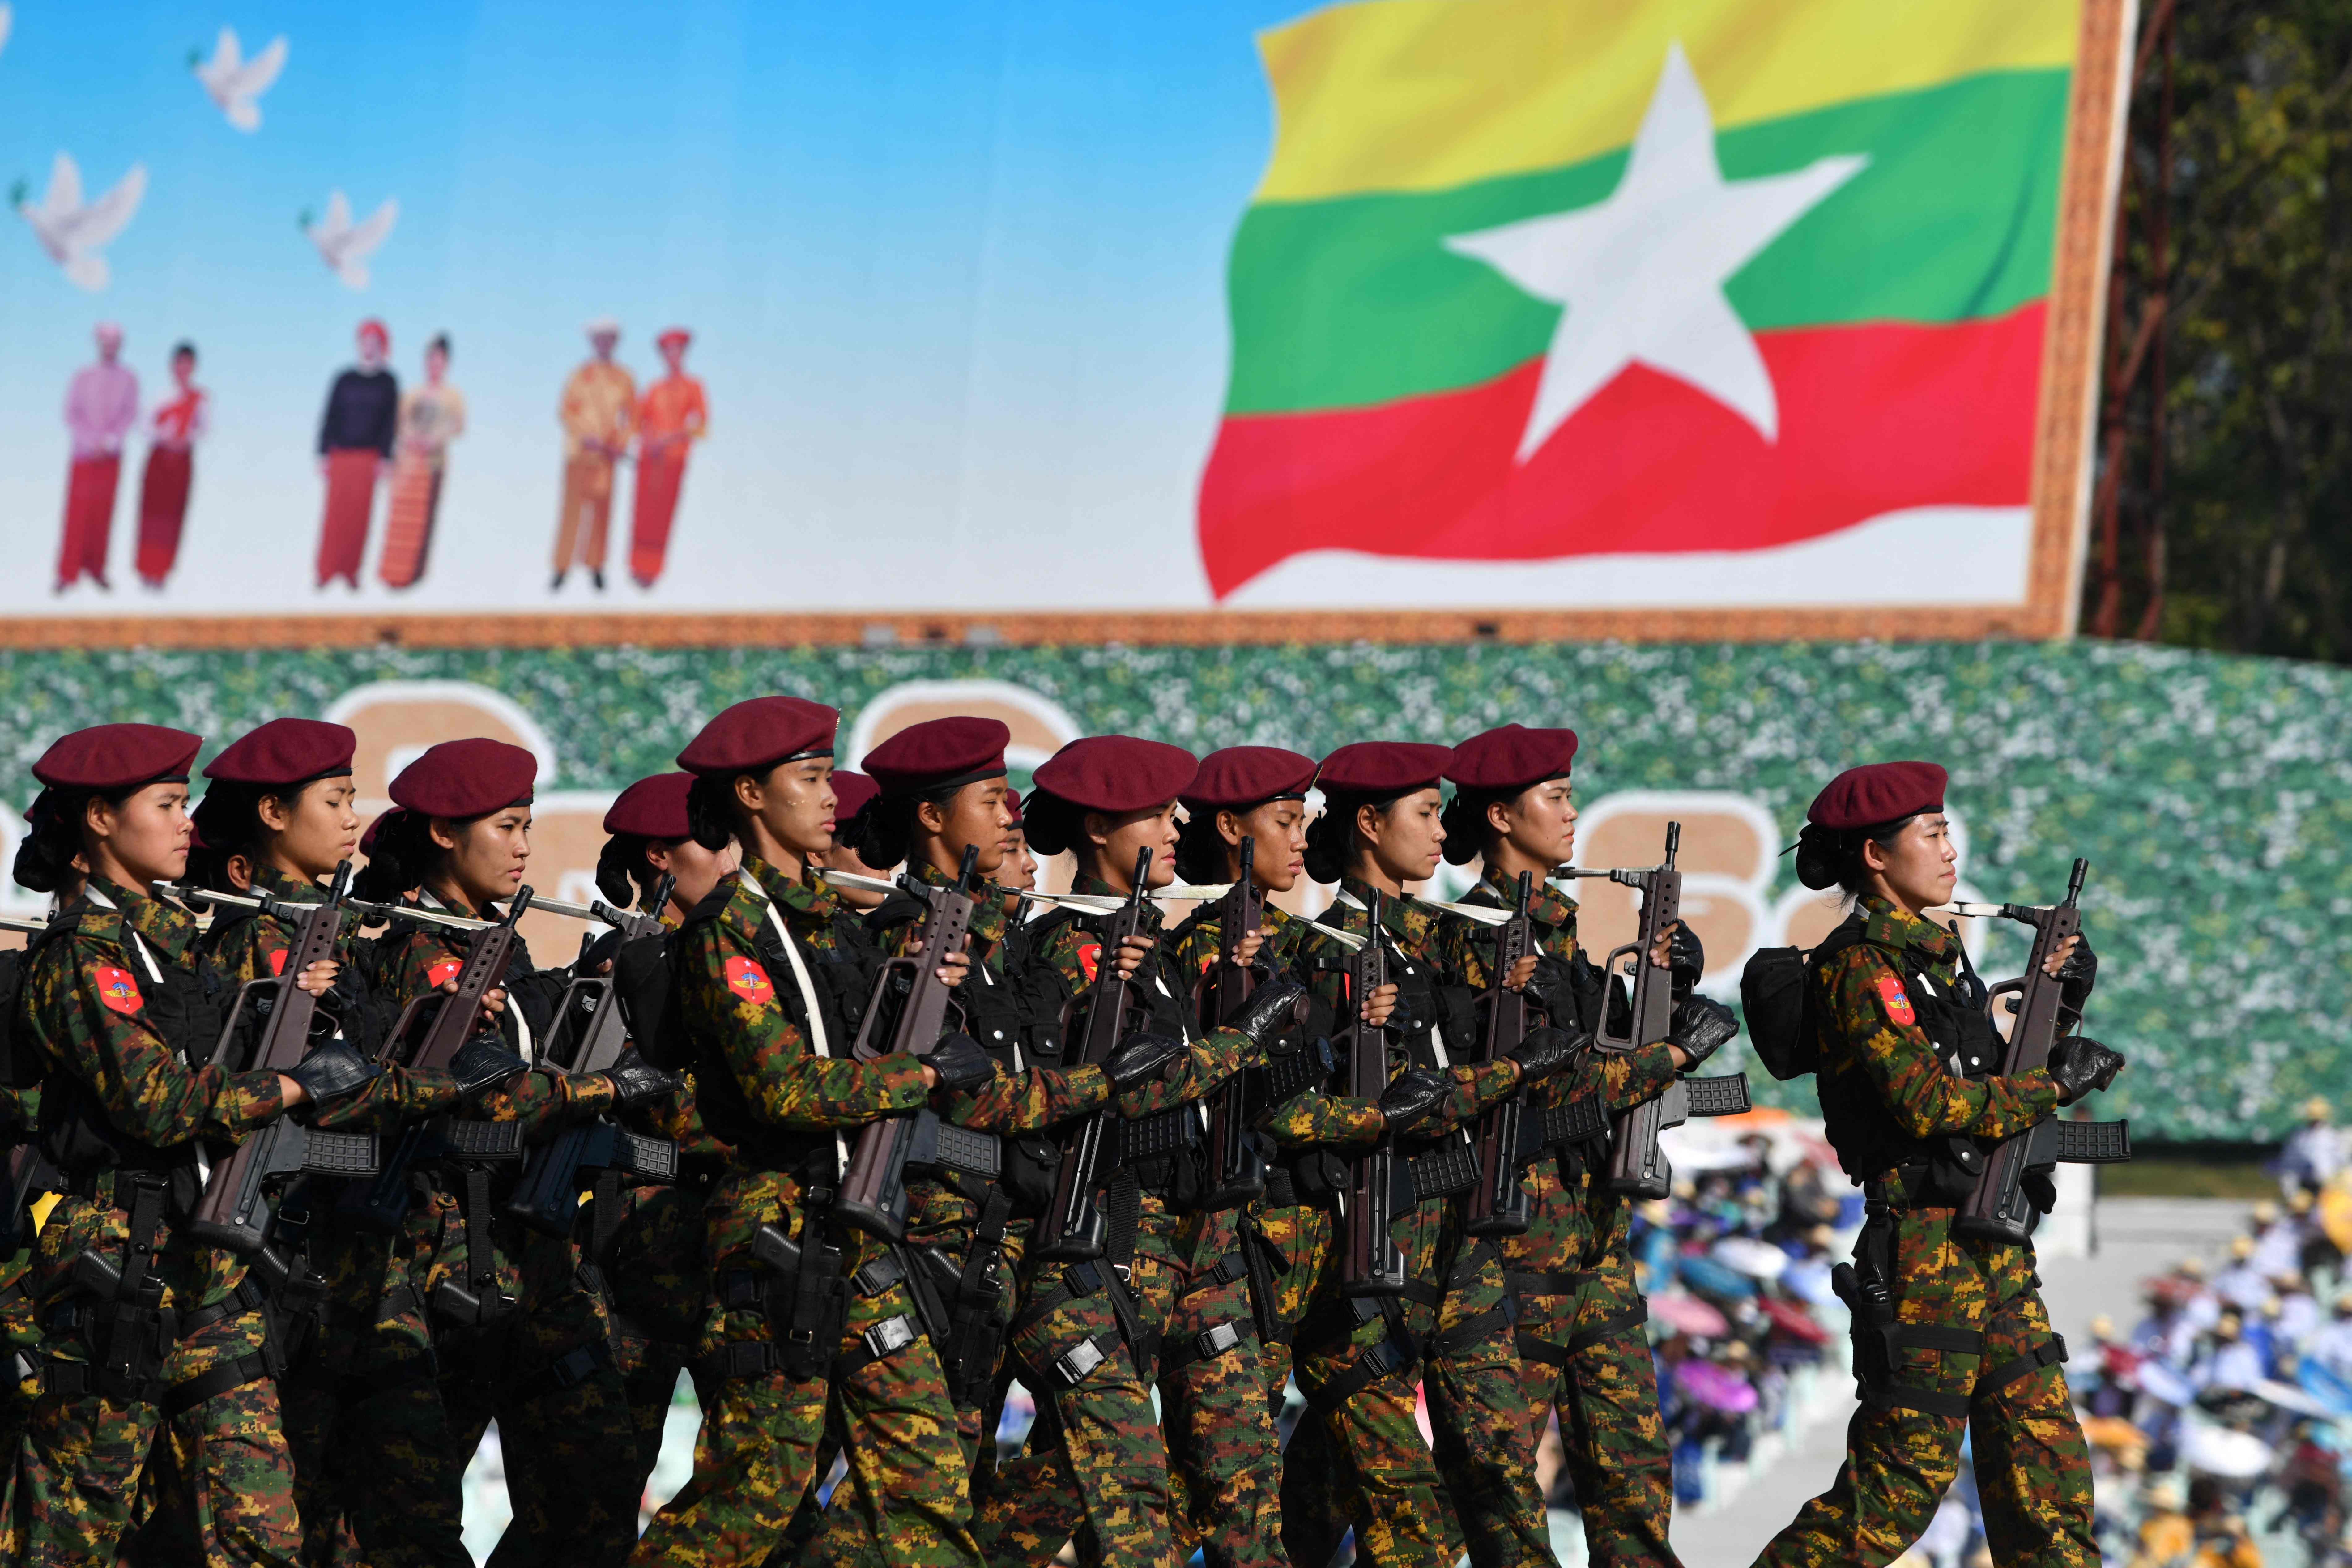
(1090, 959)
(118, 990)
(277, 962)
(442, 972)
(749, 981)
(1897, 1000)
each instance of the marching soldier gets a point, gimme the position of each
(1907, 1052)
(1579, 1333)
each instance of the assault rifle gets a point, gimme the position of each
(232, 1213)
(1075, 1227)
(1498, 1206)
(873, 1195)
(1372, 1265)
(1998, 1207)
(1637, 1167)
(588, 1036)
(1235, 1172)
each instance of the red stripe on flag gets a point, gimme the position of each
(1871, 419)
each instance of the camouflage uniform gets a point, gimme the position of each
(766, 1089)
(1363, 1461)
(963, 1218)
(1096, 1465)
(1580, 1338)
(20, 1329)
(1888, 1097)
(98, 1006)
(1221, 1411)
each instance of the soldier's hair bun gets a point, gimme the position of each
(402, 852)
(1200, 848)
(1331, 837)
(621, 870)
(1465, 825)
(711, 810)
(44, 859)
(1819, 855)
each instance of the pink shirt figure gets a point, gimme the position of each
(101, 407)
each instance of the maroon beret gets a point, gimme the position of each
(1115, 773)
(851, 793)
(1383, 769)
(1238, 777)
(367, 839)
(758, 733)
(652, 808)
(1511, 757)
(1012, 804)
(466, 778)
(938, 753)
(286, 751)
(118, 756)
(1878, 793)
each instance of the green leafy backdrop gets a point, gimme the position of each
(2211, 793)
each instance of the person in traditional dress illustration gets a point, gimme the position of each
(598, 410)
(671, 416)
(173, 431)
(354, 440)
(101, 403)
(431, 416)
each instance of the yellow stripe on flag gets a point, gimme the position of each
(1419, 95)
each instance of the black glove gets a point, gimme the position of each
(637, 1081)
(1272, 1008)
(962, 1063)
(1560, 987)
(1700, 1027)
(2078, 1067)
(332, 1069)
(483, 1063)
(1403, 1017)
(1139, 1058)
(1685, 959)
(1415, 1093)
(2040, 1189)
(1545, 1051)
(2077, 975)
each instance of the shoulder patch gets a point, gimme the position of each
(1897, 1000)
(1090, 959)
(746, 979)
(278, 961)
(117, 989)
(442, 972)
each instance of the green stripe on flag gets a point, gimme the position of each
(1341, 304)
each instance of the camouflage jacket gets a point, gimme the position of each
(103, 1055)
(238, 948)
(1409, 930)
(1870, 1035)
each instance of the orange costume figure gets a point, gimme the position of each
(355, 439)
(173, 431)
(599, 407)
(670, 418)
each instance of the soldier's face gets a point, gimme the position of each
(1539, 822)
(488, 855)
(1921, 867)
(697, 869)
(1118, 839)
(1406, 839)
(974, 816)
(1019, 868)
(1280, 828)
(315, 831)
(145, 837)
(795, 804)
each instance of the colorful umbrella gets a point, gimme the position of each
(2219, 1451)
(1751, 1256)
(1689, 1315)
(1716, 1387)
(1789, 1319)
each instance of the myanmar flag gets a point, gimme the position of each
(1532, 279)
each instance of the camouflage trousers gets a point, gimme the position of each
(1582, 1351)
(1222, 1446)
(2033, 1469)
(1095, 1464)
(756, 1455)
(1363, 1461)
(211, 1483)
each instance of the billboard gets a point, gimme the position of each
(737, 321)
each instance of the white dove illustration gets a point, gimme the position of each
(7, 19)
(235, 83)
(345, 246)
(74, 233)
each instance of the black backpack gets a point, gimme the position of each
(1776, 1000)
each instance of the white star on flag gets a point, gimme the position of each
(1640, 276)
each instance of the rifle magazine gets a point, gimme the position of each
(341, 1154)
(1725, 1096)
(2093, 1142)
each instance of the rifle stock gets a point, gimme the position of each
(1372, 1265)
(1074, 1228)
(1498, 1206)
(873, 1193)
(1235, 1166)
